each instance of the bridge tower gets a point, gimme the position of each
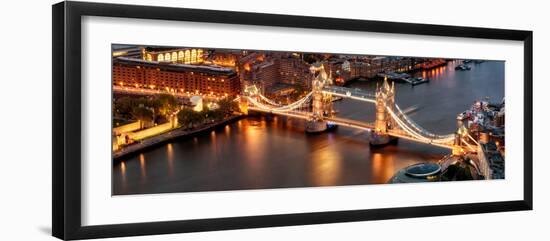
(461, 132)
(319, 103)
(385, 102)
(250, 91)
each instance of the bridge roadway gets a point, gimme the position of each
(366, 126)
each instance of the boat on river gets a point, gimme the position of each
(463, 67)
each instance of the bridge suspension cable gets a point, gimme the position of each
(468, 145)
(419, 129)
(350, 93)
(416, 131)
(406, 128)
(268, 100)
(289, 107)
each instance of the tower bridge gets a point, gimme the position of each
(390, 122)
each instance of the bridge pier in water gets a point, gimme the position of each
(380, 139)
(316, 126)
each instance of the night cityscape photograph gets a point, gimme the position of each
(194, 119)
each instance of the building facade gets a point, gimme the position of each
(265, 74)
(177, 78)
(294, 70)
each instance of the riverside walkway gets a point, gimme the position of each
(169, 135)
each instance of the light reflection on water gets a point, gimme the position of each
(142, 167)
(326, 166)
(170, 158)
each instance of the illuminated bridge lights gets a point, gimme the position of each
(405, 127)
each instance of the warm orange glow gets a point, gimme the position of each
(326, 165)
(377, 162)
(260, 57)
(142, 166)
(227, 130)
(170, 155)
(382, 166)
(119, 53)
(123, 171)
(254, 145)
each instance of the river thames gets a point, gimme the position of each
(266, 151)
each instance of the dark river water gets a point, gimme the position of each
(261, 152)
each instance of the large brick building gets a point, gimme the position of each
(265, 73)
(267, 70)
(174, 77)
(294, 70)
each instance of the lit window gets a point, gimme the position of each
(193, 56)
(174, 57)
(187, 56)
(199, 55)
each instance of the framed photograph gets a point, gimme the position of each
(169, 120)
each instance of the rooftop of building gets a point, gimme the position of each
(496, 161)
(420, 172)
(117, 47)
(175, 66)
(155, 50)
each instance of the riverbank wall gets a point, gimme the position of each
(168, 136)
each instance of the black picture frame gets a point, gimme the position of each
(66, 127)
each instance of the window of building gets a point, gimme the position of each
(193, 56)
(174, 57)
(199, 55)
(187, 56)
